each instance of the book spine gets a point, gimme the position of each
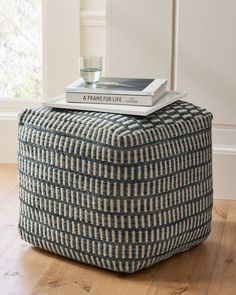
(159, 93)
(109, 99)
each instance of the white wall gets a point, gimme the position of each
(138, 38)
(139, 45)
(93, 28)
(207, 70)
(61, 45)
(93, 5)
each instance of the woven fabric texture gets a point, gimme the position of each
(119, 192)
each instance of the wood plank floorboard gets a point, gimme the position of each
(209, 268)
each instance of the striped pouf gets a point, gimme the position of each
(116, 191)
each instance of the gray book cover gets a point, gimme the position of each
(131, 86)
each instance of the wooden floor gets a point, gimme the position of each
(207, 269)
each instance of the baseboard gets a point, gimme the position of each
(224, 172)
(8, 147)
(224, 161)
(224, 135)
(9, 114)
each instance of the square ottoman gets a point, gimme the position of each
(116, 191)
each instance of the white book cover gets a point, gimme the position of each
(168, 98)
(138, 100)
(119, 86)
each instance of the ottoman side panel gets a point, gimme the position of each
(173, 192)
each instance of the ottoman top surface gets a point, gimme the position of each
(116, 129)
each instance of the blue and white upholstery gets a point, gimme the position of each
(116, 191)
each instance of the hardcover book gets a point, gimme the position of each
(128, 91)
(168, 98)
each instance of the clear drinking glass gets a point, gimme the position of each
(91, 70)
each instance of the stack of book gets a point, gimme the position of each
(129, 96)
